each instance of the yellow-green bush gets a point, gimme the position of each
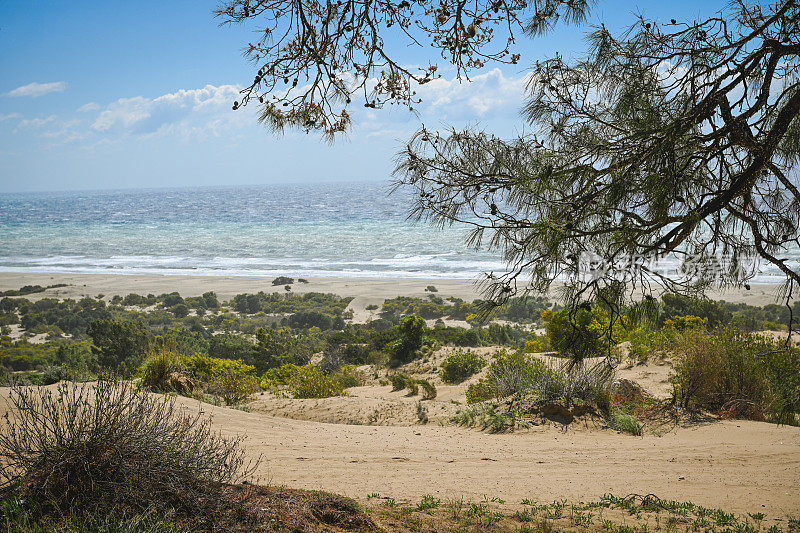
(311, 382)
(278, 376)
(681, 323)
(232, 385)
(207, 368)
(349, 376)
(538, 344)
(480, 392)
(643, 341)
(157, 367)
(230, 379)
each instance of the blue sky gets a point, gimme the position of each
(138, 94)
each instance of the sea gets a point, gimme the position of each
(304, 230)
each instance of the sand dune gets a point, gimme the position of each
(737, 465)
(741, 466)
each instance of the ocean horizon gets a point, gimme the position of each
(332, 229)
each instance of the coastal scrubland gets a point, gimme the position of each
(437, 412)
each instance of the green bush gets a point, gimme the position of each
(480, 391)
(398, 381)
(401, 381)
(410, 338)
(107, 448)
(625, 423)
(157, 368)
(232, 385)
(686, 322)
(428, 389)
(119, 345)
(580, 333)
(512, 372)
(643, 342)
(517, 372)
(207, 368)
(736, 374)
(461, 365)
(348, 376)
(280, 376)
(311, 382)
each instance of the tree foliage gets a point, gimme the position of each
(672, 138)
(677, 138)
(313, 58)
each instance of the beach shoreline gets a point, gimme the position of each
(365, 291)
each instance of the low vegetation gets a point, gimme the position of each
(632, 513)
(461, 365)
(736, 375)
(107, 449)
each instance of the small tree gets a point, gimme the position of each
(410, 338)
(120, 346)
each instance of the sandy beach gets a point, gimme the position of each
(366, 291)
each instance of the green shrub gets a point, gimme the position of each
(480, 392)
(512, 372)
(625, 423)
(643, 341)
(276, 377)
(412, 386)
(461, 365)
(517, 372)
(410, 338)
(119, 345)
(736, 374)
(157, 367)
(686, 322)
(398, 381)
(233, 385)
(428, 389)
(579, 333)
(311, 382)
(104, 448)
(348, 376)
(207, 368)
(232, 380)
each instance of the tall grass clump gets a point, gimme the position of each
(157, 368)
(736, 374)
(625, 423)
(521, 373)
(460, 366)
(110, 449)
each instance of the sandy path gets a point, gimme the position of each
(738, 465)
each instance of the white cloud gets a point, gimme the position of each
(35, 123)
(490, 98)
(482, 96)
(38, 89)
(10, 116)
(88, 108)
(182, 111)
